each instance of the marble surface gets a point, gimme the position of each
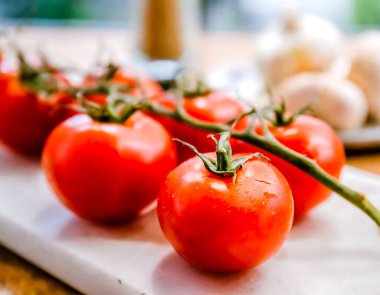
(336, 250)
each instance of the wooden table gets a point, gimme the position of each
(17, 276)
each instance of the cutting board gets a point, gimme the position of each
(335, 250)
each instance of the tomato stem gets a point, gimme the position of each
(116, 109)
(224, 166)
(223, 152)
(41, 79)
(281, 118)
(192, 87)
(269, 143)
(266, 142)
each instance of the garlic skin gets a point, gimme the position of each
(339, 102)
(364, 51)
(299, 43)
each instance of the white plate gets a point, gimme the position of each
(336, 250)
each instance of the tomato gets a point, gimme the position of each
(138, 85)
(26, 119)
(108, 172)
(220, 224)
(312, 138)
(214, 107)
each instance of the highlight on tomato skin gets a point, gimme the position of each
(314, 139)
(108, 172)
(220, 225)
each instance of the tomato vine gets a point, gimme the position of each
(269, 143)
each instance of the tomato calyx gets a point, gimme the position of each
(192, 87)
(117, 109)
(282, 118)
(43, 79)
(110, 72)
(224, 165)
(38, 80)
(104, 83)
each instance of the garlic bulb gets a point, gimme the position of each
(335, 100)
(364, 51)
(298, 44)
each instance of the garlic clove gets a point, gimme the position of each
(364, 51)
(337, 101)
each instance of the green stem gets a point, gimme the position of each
(223, 153)
(271, 145)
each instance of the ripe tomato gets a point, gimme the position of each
(221, 225)
(140, 85)
(214, 107)
(26, 119)
(312, 138)
(108, 172)
(137, 85)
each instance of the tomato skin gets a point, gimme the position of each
(214, 107)
(149, 87)
(219, 225)
(26, 119)
(107, 172)
(312, 138)
(138, 85)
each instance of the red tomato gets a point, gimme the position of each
(139, 85)
(214, 107)
(27, 119)
(312, 138)
(220, 225)
(107, 172)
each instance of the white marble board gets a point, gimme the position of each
(335, 250)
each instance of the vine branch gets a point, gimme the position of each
(269, 143)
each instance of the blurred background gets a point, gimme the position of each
(240, 46)
(216, 15)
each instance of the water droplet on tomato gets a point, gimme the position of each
(270, 195)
